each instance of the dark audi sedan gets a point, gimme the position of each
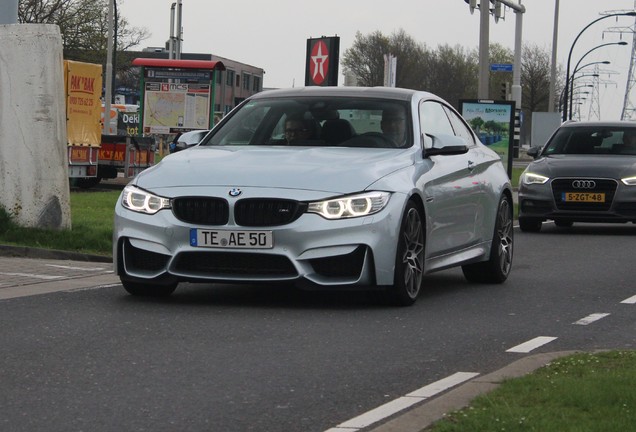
(586, 172)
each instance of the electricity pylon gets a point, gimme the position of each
(629, 109)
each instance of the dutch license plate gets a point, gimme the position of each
(231, 239)
(597, 197)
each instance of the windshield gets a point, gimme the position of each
(317, 121)
(592, 141)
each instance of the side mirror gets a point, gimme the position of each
(444, 144)
(533, 152)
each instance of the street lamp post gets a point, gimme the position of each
(577, 68)
(567, 74)
(561, 101)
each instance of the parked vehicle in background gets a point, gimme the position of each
(585, 173)
(188, 139)
(331, 188)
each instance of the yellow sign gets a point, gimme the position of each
(83, 85)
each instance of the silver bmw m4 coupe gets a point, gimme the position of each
(334, 188)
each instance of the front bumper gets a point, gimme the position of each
(546, 202)
(349, 252)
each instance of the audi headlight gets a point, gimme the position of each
(350, 206)
(138, 200)
(629, 181)
(531, 178)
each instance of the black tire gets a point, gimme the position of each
(499, 264)
(148, 290)
(409, 259)
(530, 224)
(563, 223)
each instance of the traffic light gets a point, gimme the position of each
(505, 90)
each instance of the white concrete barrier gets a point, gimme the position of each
(34, 185)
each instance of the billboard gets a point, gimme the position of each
(493, 121)
(83, 86)
(321, 63)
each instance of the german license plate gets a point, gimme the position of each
(231, 239)
(590, 197)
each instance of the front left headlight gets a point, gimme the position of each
(141, 201)
(350, 206)
(629, 181)
(528, 178)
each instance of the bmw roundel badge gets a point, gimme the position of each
(234, 192)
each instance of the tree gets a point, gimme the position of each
(535, 79)
(83, 25)
(450, 72)
(365, 58)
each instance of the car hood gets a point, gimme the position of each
(337, 170)
(608, 166)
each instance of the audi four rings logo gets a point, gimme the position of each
(583, 184)
(234, 192)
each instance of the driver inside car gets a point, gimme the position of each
(298, 129)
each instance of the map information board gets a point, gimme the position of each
(171, 107)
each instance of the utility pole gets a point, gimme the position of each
(483, 90)
(484, 44)
(176, 34)
(109, 70)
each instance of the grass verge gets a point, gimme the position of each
(582, 392)
(91, 232)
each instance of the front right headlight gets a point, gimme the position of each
(629, 181)
(350, 206)
(528, 178)
(141, 201)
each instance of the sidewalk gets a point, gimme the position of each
(28, 271)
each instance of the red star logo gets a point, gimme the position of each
(319, 62)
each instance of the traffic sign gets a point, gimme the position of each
(501, 67)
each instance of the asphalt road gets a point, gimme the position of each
(254, 358)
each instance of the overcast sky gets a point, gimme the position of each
(272, 34)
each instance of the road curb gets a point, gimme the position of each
(29, 252)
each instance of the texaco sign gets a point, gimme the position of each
(322, 61)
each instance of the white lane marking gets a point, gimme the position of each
(590, 318)
(75, 268)
(95, 287)
(443, 384)
(401, 403)
(31, 275)
(631, 300)
(532, 344)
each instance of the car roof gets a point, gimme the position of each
(361, 92)
(611, 124)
